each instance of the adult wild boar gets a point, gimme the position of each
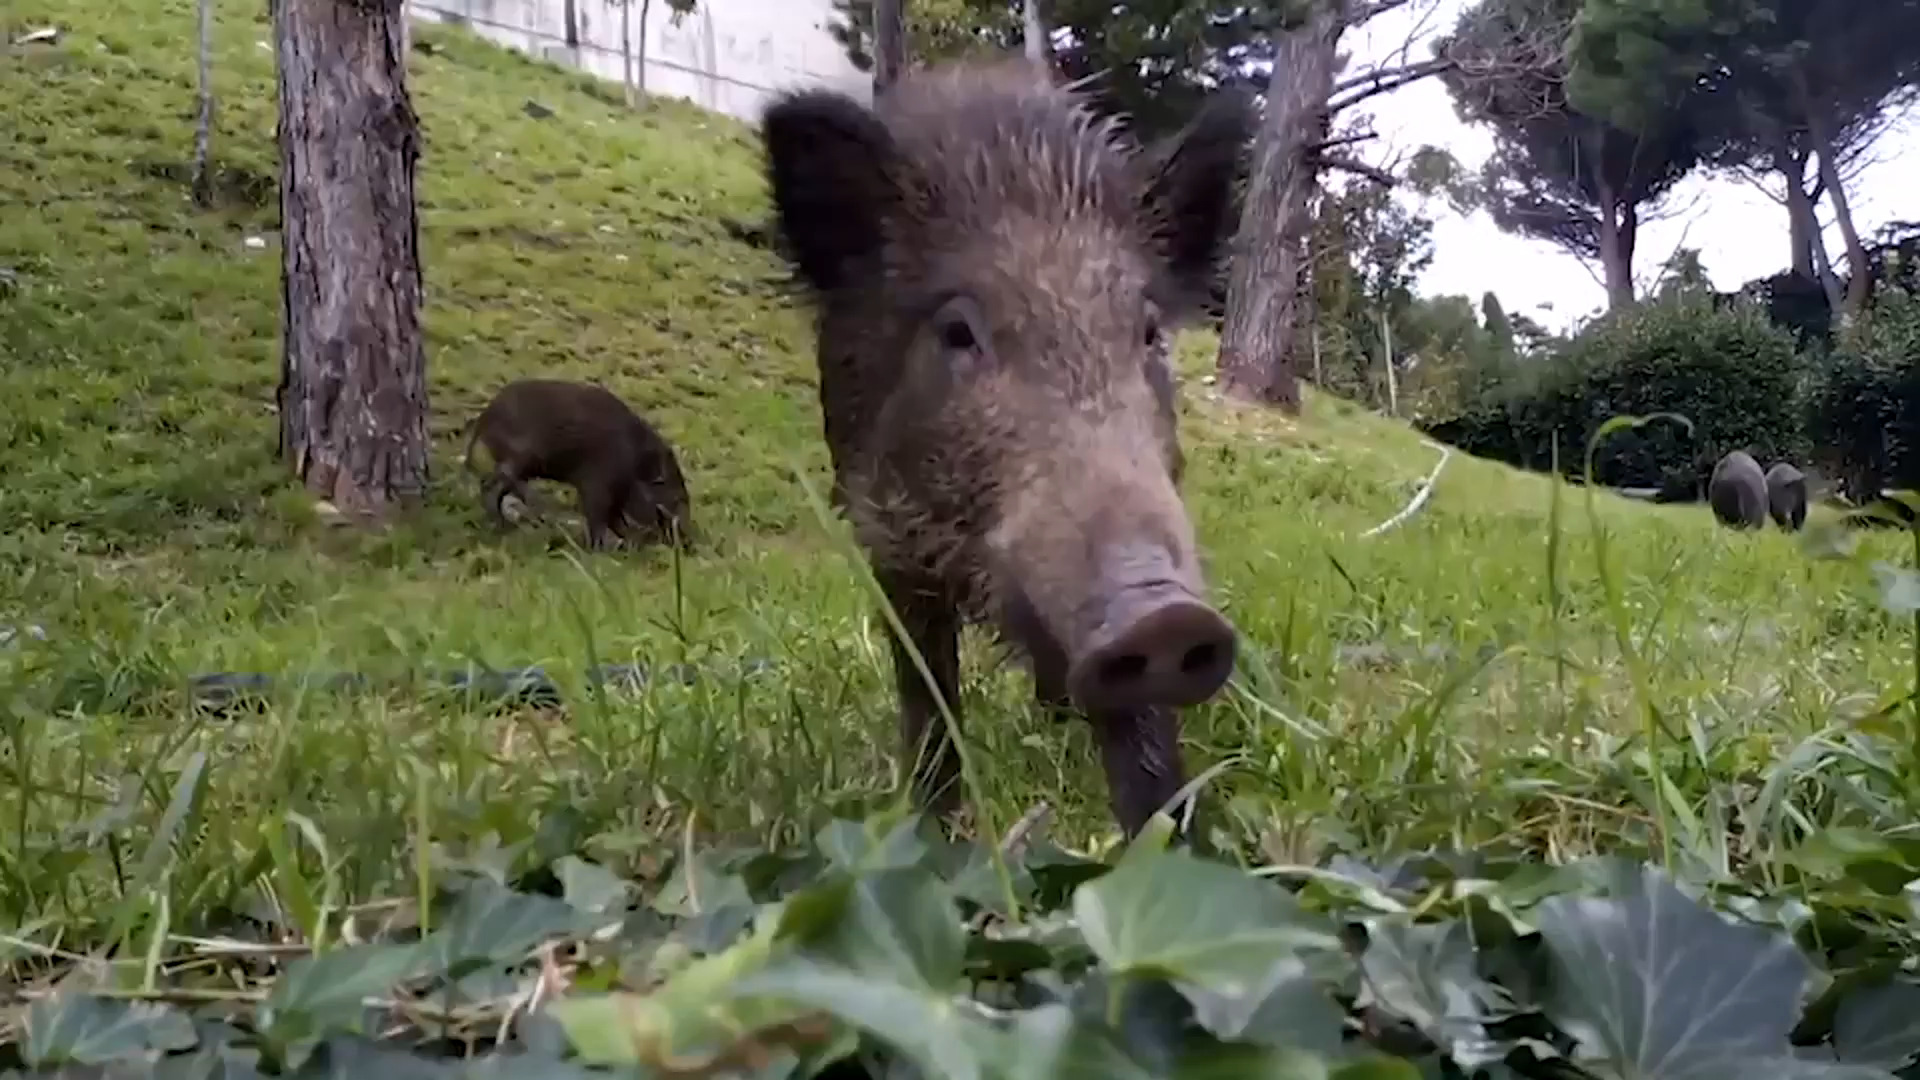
(993, 270)
(1738, 491)
(1787, 496)
(625, 474)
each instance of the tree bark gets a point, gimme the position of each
(889, 43)
(1266, 304)
(1859, 281)
(626, 52)
(646, 9)
(203, 126)
(1821, 133)
(1034, 35)
(353, 388)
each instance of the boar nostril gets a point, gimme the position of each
(1161, 646)
(1200, 658)
(1123, 669)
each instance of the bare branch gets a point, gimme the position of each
(1335, 141)
(1359, 168)
(1383, 81)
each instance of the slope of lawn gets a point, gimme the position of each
(1444, 682)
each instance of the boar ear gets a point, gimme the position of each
(1192, 193)
(833, 168)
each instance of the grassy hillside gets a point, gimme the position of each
(1444, 682)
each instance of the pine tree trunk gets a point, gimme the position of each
(1034, 35)
(646, 9)
(203, 126)
(1821, 132)
(1266, 304)
(626, 52)
(353, 390)
(889, 43)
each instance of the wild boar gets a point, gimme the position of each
(1738, 491)
(626, 475)
(1787, 496)
(992, 270)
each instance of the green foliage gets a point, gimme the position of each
(376, 879)
(1150, 60)
(1559, 172)
(1769, 85)
(1165, 965)
(1726, 369)
(1863, 408)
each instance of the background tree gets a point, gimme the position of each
(1034, 36)
(353, 386)
(1499, 327)
(1262, 335)
(1558, 173)
(1779, 84)
(934, 29)
(203, 124)
(889, 43)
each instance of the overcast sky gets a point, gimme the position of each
(1740, 232)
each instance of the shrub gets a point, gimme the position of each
(1725, 368)
(1863, 402)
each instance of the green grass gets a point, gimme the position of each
(1440, 684)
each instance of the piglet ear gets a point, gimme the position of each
(835, 174)
(1192, 194)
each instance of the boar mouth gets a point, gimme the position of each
(1157, 644)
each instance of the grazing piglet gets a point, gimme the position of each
(993, 270)
(625, 474)
(1737, 491)
(1787, 496)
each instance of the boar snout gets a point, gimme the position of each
(1157, 645)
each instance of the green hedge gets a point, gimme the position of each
(1725, 368)
(1863, 402)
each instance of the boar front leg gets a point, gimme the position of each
(1140, 753)
(934, 628)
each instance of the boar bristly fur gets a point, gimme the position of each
(993, 270)
(626, 475)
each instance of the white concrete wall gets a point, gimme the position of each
(729, 56)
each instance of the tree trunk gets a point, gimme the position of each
(1859, 279)
(646, 9)
(889, 43)
(203, 126)
(626, 52)
(353, 388)
(1034, 35)
(1265, 299)
(1801, 226)
(1821, 133)
(1619, 229)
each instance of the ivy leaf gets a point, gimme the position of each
(492, 925)
(1899, 588)
(903, 925)
(1654, 986)
(924, 1026)
(72, 1028)
(1879, 1026)
(590, 888)
(326, 993)
(1214, 932)
(1426, 974)
(852, 845)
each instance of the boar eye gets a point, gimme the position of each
(956, 334)
(1151, 339)
(958, 325)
